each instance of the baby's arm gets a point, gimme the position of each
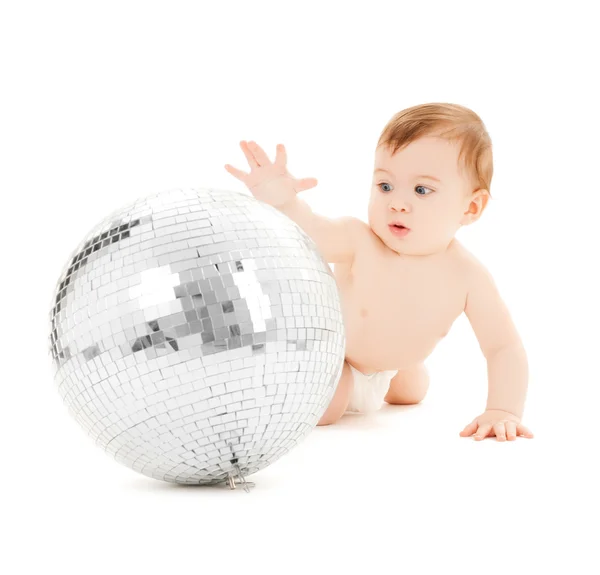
(499, 341)
(336, 238)
(270, 182)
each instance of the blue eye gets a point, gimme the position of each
(424, 189)
(416, 188)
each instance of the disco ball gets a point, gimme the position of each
(197, 335)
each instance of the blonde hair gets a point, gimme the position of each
(452, 122)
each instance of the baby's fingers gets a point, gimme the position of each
(523, 431)
(305, 184)
(500, 431)
(252, 161)
(236, 173)
(469, 429)
(483, 431)
(259, 154)
(280, 155)
(511, 430)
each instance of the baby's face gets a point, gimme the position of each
(433, 210)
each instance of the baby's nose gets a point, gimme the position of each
(399, 205)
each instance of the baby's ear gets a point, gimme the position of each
(477, 205)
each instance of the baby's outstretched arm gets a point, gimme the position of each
(503, 349)
(270, 182)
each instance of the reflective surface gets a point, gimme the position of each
(196, 334)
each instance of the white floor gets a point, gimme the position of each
(398, 491)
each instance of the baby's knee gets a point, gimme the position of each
(328, 419)
(408, 387)
(337, 407)
(325, 421)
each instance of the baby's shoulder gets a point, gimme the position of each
(460, 255)
(361, 234)
(356, 225)
(467, 263)
(458, 252)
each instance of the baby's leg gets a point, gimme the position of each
(408, 386)
(340, 399)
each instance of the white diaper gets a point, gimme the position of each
(368, 390)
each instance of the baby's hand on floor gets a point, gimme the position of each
(503, 424)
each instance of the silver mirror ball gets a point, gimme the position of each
(196, 335)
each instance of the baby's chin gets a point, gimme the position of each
(398, 245)
(406, 247)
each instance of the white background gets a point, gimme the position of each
(105, 102)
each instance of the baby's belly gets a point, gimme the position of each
(395, 321)
(378, 346)
(386, 337)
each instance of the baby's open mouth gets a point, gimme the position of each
(399, 229)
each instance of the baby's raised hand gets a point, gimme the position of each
(503, 424)
(269, 182)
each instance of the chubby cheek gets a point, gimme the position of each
(372, 201)
(377, 217)
(374, 211)
(444, 230)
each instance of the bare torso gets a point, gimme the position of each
(396, 309)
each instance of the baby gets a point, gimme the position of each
(403, 277)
